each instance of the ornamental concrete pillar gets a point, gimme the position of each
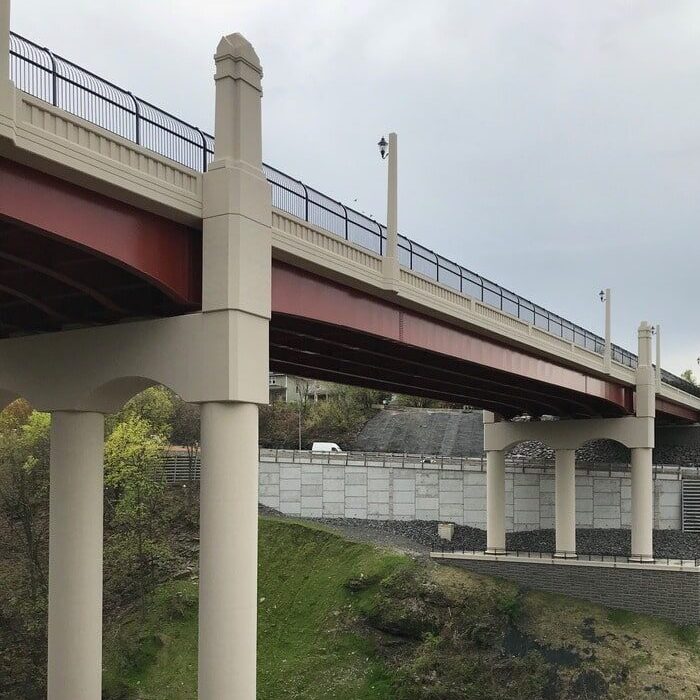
(6, 89)
(495, 502)
(236, 285)
(565, 503)
(4, 40)
(229, 551)
(75, 556)
(237, 210)
(642, 457)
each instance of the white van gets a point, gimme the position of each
(325, 447)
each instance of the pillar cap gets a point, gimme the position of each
(237, 48)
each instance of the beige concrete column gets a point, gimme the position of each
(4, 39)
(645, 404)
(390, 261)
(6, 91)
(495, 502)
(237, 210)
(228, 551)
(75, 556)
(642, 504)
(642, 469)
(236, 285)
(565, 503)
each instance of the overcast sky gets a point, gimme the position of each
(551, 146)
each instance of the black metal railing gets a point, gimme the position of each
(60, 82)
(446, 548)
(64, 84)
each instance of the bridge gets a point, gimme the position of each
(136, 249)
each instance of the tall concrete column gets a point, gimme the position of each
(228, 551)
(495, 502)
(565, 503)
(75, 556)
(642, 504)
(6, 91)
(236, 293)
(642, 469)
(4, 39)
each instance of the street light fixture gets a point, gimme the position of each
(383, 147)
(601, 294)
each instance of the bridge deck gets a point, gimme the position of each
(141, 257)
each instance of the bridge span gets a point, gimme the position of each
(136, 249)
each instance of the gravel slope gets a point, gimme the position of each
(421, 536)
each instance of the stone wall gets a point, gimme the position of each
(652, 589)
(387, 487)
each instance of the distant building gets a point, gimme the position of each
(290, 389)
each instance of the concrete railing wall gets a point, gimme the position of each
(391, 487)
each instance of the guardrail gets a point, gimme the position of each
(62, 83)
(570, 556)
(177, 467)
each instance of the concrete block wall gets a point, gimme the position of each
(381, 489)
(653, 590)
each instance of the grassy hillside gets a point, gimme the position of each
(306, 648)
(348, 621)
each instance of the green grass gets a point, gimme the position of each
(306, 644)
(347, 621)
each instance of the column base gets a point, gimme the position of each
(495, 551)
(565, 555)
(642, 559)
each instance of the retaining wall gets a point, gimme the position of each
(389, 487)
(651, 589)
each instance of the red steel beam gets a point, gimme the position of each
(299, 293)
(165, 253)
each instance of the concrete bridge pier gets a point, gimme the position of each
(228, 557)
(495, 502)
(642, 471)
(564, 437)
(237, 246)
(565, 503)
(75, 556)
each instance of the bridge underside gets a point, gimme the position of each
(323, 351)
(324, 330)
(73, 258)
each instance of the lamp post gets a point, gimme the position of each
(657, 332)
(390, 263)
(606, 297)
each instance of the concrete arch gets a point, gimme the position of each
(631, 431)
(605, 450)
(511, 450)
(217, 356)
(116, 392)
(8, 397)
